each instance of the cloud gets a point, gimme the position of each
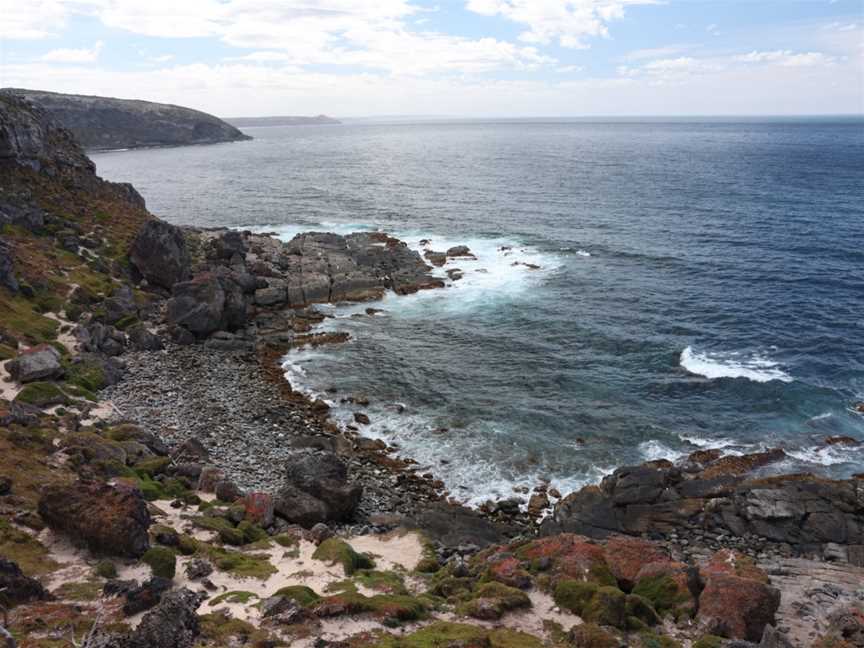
(654, 52)
(74, 55)
(568, 22)
(787, 58)
(31, 19)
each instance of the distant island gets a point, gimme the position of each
(241, 122)
(100, 123)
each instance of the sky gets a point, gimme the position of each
(473, 58)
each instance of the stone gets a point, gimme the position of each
(210, 476)
(16, 588)
(159, 254)
(259, 509)
(5, 485)
(111, 520)
(198, 568)
(120, 305)
(227, 491)
(146, 595)
(39, 363)
(316, 489)
(459, 251)
(319, 533)
(191, 450)
(226, 245)
(7, 267)
(737, 608)
(537, 503)
(626, 556)
(141, 339)
(197, 305)
(361, 418)
(452, 526)
(173, 623)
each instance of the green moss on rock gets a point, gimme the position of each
(302, 595)
(591, 635)
(162, 561)
(336, 551)
(708, 641)
(105, 569)
(574, 595)
(42, 394)
(662, 592)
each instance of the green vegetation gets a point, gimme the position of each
(492, 600)
(42, 394)
(590, 635)
(162, 561)
(87, 375)
(651, 640)
(239, 563)
(106, 569)
(574, 595)
(25, 550)
(336, 551)
(708, 641)
(662, 592)
(89, 590)
(237, 596)
(22, 320)
(302, 595)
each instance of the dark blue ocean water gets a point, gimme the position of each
(700, 283)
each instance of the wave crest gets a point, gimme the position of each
(732, 365)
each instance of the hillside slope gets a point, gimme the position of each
(108, 123)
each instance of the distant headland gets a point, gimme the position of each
(103, 123)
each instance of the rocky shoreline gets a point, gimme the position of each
(162, 485)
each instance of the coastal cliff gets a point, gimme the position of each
(162, 485)
(100, 123)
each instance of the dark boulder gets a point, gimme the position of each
(227, 245)
(454, 526)
(146, 595)
(141, 339)
(159, 254)
(120, 305)
(16, 588)
(316, 489)
(198, 305)
(110, 520)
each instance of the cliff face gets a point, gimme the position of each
(107, 123)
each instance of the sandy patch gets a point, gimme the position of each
(8, 388)
(66, 338)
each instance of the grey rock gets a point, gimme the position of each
(141, 339)
(159, 254)
(40, 363)
(16, 588)
(7, 267)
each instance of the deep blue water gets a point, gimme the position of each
(700, 284)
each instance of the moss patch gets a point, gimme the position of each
(662, 591)
(89, 590)
(336, 551)
(41, 394)
(302, 595)
(162, 561)
(236, 596)
(574, 595)
(239, 563)
(24, 549)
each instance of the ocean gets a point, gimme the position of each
(641, 290)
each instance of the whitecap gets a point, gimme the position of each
(583, 253)
(829, 455)
(732, 365)
(653, 450)
(707, 443)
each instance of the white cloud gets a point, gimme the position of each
(31, 19)
(74, 55)
(787, 58)
(569, 22)
(654, 52)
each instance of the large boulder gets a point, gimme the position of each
(110, 520)
(212, 301)
(38, 363)
(198, 305)
(16, 588)
(737, 608)
(316, 489)
(173, 623)
(159, 254)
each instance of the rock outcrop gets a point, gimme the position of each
(109, 123)
(37, 363)
(16, 588)
(316, 490)
(722, 495)
(110, 520)
(159, 254)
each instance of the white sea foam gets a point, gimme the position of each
(829, 455)
(653, 450)
(732, 365)
(583, 253)
(707, 443)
